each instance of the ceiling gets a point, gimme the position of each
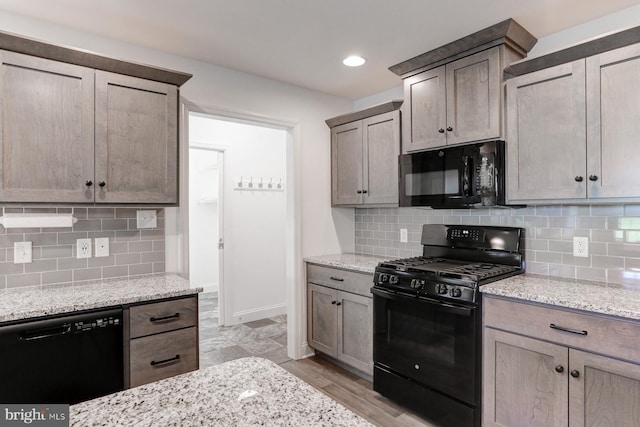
(303, 42)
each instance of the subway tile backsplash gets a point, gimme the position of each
(132, 252)
(613, 232)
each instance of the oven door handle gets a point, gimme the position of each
(439, 305)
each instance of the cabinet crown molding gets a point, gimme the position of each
(363, 114)
(507, 32)
(572, 53)
(85, 58)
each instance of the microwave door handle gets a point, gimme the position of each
(466, 175)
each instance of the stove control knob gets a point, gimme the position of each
(455, 292)
(441, 288)
(383, 278)
(393, 279)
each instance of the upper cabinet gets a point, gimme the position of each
(136, 140)
(572, 127)
(454, 103)
(82, 128)
(453, 94)
(364, 156)
(46, 143)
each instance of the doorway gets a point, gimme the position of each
(250, 226)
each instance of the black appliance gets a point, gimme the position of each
(66, 359)
(427, 319)
(463, 176)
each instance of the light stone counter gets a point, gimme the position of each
(243, 392)
(26, 303)
(354, 262)
(610, 299)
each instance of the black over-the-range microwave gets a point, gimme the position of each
(465, 176)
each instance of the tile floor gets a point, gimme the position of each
(264, 338)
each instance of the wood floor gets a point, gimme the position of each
(353, 392)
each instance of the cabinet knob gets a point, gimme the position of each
(441, 130)
(449, 129)
(593, 177)
(88, 183)
(339, 303)
(359, 191)
(364, 191)
(334, 302)
(578, 179)
(559, 369)
(575, 373)
(102, 183)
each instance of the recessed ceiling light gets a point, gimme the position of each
(354, 61)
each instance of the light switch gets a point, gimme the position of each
(102, 247)
(147, 219)
(22, 252)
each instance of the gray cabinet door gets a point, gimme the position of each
(613, 117)
(136, 140)
(322, 319)
(521, 382)
(605, 391)
(381, 147)
(546, 134)
(473, 97)
(355, 326)
(46, 120)
(346, 164)
(424, 111)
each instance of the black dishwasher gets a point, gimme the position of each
(66, 359)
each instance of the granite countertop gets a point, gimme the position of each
(243, 392)
(26, 303)
(603, 298)
(354, 262)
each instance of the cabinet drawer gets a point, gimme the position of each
(605, 335)
(161, 356)
(349, 281)
(162, 316)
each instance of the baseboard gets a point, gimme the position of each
(258, 313)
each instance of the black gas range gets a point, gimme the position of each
(427, 319)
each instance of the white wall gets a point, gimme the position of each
(623, 19)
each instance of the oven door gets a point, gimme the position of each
(432, 342)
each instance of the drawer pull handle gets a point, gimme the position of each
(571, 331)
(169, 360)
(337, 279)
(165, 318)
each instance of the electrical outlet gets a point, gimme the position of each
(83, 248)
(22, 253)
(581, 247)
(102, 247)
(146, 219)
(403, 235)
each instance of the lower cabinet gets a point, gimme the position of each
(340, 323)
(163, 340)
(549, 377)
